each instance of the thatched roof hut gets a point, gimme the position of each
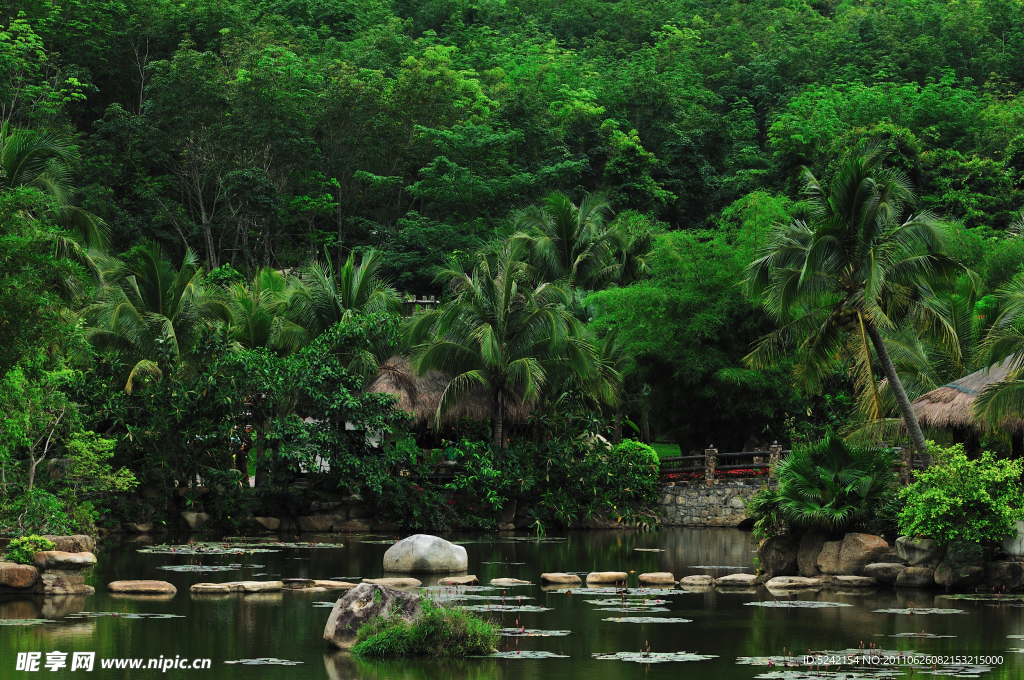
(420, 395)
(951, 406)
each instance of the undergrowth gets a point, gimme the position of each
(436, 632)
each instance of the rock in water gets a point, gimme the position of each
(17, 575)
(657, 578)
(843, 581)
(561, 579)
(73, 544)
(828, 559)
(916, 577)
(459, 581)
(807, 554)
(920, 552)
(859, 550)
(793, 582)
(777, 556)
(142, 587)
(363, 604)
(425, 554)
(607, 577)
(55, 559)
(884, 572)
(697, 580)
(952, 576)
(396, 583)
(736, 581)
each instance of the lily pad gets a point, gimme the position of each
(985, 597)
(797, 604)
(921, 636)
(459, 589)
(323, 604)
(464, 596)
(809, 674)
(630, 592)
(24, 622)
(265, 662)
(122, 615)
(646, 619)
(197, 550)
(631, 602)
(505, 608)
(633, 609)
(869, 657)
(954, 671)
(919, 611)
(525, 654)
(203, 569)
(653, 657)
(533, 632)
(511, 564)
(715, 566)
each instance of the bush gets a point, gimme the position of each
(631, 447)
(40, 512)
(23, 550)
(961, 500)
(437, 632)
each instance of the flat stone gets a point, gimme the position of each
(916, 577)
(859, 550)
(561, 579)
(399, 583)
(55, 559)
(920, 552)
(737, 581)
(828, 558)
(213, 588)
(697, 580)
(884, 572)
(194, 520)
(13, 575)
(363, 604)
(657, 578)
(845, 581)
(423, 553)
(74, 544)
(333, 585)
(297, 583)
(142, 587)
(260, 586)
(607, 577)
(792, 582)
(508, 582)
(459, 581)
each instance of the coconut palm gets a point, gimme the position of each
(1005, 344)
(151, 313)
(857, 265)
(499, 331)
(571, 243)
(258, 312)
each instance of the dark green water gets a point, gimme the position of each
(287, 625)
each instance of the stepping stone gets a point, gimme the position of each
(397, 583)
(607, 577)
(333, 585)
(55, 559)
(794, 582)
(459, 581)
(297, 583)
(657, 578)
(736, 581)
(697, 580)
(211, 588)
(142, 587)
(508, 582)
(561, 579)
(257, 586)
(853, 582)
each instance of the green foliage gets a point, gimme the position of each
(23, 550)
(963, 500)
(39, 511)
(635, 449)
(436, 632)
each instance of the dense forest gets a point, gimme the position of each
(210, 203)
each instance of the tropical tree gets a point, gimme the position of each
(500, 331)
(258, 312)
(1005, 344)
(151, 314)
(856, 266)
(572, 243)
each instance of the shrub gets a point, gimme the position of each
(39, 511)
(634, 448)
(436, 632)
(961, 500)
(23, 550)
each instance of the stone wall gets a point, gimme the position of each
(695, 504)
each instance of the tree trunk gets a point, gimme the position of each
(497, 417)
(617, 430)
(32, 463)
(909, 417)
(261, 456)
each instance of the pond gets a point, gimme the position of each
(680, 628)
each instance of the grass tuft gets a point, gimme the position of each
(437, 632)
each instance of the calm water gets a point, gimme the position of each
(288, 626)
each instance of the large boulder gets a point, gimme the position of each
(62, 582)
(194, 520)
(828, 558)
(66, 561)
(14, 575)
(807, 554)
(142, 587)
(884, 572)
(920, 552)
(1002, 576)
(916, 577)
(75, 544)
(1014, 545)
(266, 523)
(422, 553)
(363, 604)
(859, 550)
(777, 556)
(961, 576)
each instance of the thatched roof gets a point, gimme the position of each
(950, 406)
(420, 395)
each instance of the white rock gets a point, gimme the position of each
(427, 554)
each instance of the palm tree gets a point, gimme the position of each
(151, 313)
(499, 331)
(43, 161)
(569, 242)
(1005, 344)
(258, 312)
(857, 265)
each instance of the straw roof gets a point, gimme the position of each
(420, 395)
(951, 406)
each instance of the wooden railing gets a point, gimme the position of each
(710, 462)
